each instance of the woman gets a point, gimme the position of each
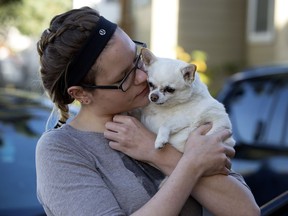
(81, 168)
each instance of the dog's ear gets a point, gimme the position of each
(148, 56)
(188, 73)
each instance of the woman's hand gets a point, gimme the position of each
(209, 152)
(128, 135)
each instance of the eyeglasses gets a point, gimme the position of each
(129, 77)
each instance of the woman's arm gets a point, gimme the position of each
(171, 197)
(225, 195)
(217, 193)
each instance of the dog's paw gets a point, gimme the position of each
(160, 142)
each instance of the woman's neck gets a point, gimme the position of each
(84, 121)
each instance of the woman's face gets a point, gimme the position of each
(116, 61)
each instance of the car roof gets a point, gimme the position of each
(252, 73)
(262, 71)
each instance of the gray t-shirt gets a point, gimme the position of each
(79, 174)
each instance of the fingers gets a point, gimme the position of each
(110, 135)
(203, 129)
(222, 136)
(229, 151)
(114, 131)
(119, 118)
(228, 163)
(216, 149)
(119, 123)
(112, 126)
(226, 168)
(225, 134)
(115, 146)
(226, 171)
(123, 118)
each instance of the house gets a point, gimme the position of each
(240, 32)
(233, 34)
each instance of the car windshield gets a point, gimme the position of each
(258, 109)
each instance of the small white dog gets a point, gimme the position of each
(180, 102)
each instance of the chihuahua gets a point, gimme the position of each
(179, 102)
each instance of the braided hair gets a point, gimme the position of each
(57, 47)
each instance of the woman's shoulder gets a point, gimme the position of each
(61, 143)
(58, 134)
(53, 139)
(68, 140)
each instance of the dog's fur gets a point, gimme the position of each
(179, 102)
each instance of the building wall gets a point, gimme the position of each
(215, 27)
(141, 15)
(274, 51)
(219, 28)
(261, 53)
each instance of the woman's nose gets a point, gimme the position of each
(141, 76)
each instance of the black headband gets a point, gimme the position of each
(86, 57)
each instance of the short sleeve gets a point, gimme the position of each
(69, 184)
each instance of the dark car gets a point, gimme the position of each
(23, 117)
(257, 103)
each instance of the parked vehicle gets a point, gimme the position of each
(23, 117)
(277, 206)
(257, 103)
(22, 120)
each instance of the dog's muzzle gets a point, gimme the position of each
(154, 97)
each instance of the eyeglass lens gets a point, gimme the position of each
(138, 65)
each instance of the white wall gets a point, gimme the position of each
(164, 27)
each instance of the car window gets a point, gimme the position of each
(277, 122)
(17, 159)
(258, 110)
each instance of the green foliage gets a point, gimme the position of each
(219, 74)
(29, 16)
(214, 76)
(8, 11)
(7, 2)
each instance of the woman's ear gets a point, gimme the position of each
(78, 93)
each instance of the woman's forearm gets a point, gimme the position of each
(225, 195)
(165, 159)
(221, 194)
(171, 197)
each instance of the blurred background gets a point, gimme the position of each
(240, 48)
(221, 37)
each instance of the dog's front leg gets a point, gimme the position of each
(162, 137)
(169, 127)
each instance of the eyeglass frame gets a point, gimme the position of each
(119, 86)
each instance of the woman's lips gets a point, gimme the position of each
(145, 91)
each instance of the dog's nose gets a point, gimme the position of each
(154, 97)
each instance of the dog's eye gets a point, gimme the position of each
(151, 85)
(169, 90)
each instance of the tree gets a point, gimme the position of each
(29, 16)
